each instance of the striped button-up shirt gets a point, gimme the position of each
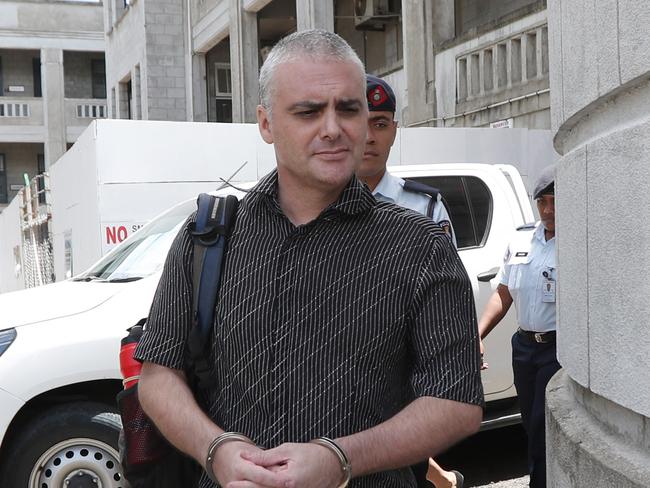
(328, 328)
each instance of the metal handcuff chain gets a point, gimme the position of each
(214, 445)
(326, 442)
(340, 454)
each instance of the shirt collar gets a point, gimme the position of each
(539, 233)
(356, 198)
(388, 187)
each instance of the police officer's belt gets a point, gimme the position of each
(540, 337)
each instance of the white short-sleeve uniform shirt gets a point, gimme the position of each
(529, 271)
(391, 189)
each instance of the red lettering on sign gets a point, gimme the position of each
(116, 234)
(111, 235)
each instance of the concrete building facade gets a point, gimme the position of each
(452, 63)
(598, 406)
(52, 83)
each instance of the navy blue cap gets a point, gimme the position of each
(545, 184)
(380, 95)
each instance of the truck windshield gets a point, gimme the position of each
(144, 253)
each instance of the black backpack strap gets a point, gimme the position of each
(214, 220)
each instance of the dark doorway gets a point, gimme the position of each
(3, 180)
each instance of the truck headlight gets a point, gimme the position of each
(6, 338)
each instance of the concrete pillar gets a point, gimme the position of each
(443, 21)
(199, 88)
(53, 88)
(166, 61)
(136, 96)
(123, 100)
(418, 60)
(244, 62)
(315, 14)
(598, 407)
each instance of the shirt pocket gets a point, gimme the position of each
(519, 257)
(519, 266)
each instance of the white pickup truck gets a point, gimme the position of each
(59, 343)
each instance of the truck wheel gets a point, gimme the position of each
(71, 446)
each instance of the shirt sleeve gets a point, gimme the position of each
(169, 321)
(444, 331)
(504, 272)
(440, 215)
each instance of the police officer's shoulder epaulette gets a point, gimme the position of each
(528, 226)
(417, 187)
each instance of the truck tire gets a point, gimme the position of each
(71, 446)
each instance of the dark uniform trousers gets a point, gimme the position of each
(533, 365)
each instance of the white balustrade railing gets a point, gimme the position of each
(14, 109)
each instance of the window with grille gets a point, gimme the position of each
(223, 92)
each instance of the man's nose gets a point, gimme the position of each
(331, 128)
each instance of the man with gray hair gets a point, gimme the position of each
(325, 375)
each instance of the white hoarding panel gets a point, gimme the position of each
(75, 208)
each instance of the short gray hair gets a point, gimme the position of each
(315, 44)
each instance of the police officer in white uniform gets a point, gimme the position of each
(528, 278)
(382, 129)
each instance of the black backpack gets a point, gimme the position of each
(148, 460)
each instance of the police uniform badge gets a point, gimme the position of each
(377, 96)
(507, 254)
(446, 226)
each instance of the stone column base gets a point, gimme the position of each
(593, 442)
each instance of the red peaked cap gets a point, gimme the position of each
(380, 95)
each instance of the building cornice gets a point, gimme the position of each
(36, 39)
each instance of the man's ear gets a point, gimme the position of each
(264, 124)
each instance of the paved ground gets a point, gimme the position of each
(494, 459)
(514, 483)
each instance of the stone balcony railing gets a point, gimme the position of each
(507, 68)
(80, 111)
(21, 111)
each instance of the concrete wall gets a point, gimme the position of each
(471, 14)
(601, 115)
(210, 27)
(381, 51)
(44, 15)
(153, 58)
(45, 24)
(165, 77)
(77, 70)
(200, 8)
(23, 129)
(17, 69)
(44, 29)
(532, 112)
(163, 53)
(397, 81)
(20, 159)
(125, 49)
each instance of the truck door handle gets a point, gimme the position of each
(486, 276)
